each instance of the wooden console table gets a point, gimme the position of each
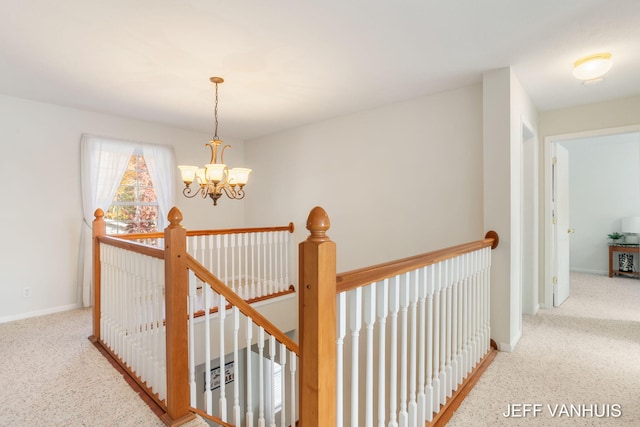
(622, 248)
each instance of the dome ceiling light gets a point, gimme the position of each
(591, 68)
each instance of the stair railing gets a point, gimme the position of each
(423, 322)
(141, 296)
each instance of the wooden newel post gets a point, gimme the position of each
(99, 229)
(176, 295)
(317, 324)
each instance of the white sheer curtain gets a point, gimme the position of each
(161, 164)
(103, 162)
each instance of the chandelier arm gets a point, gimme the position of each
(214, 151)
(229, 191)
(222, 153)
(189, 192)
(240, 193)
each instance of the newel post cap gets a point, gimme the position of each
(318, 223)
(174, 217)
(98, 214)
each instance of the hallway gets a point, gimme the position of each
(583, 353)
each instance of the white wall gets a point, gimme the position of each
(503, 96)
(41, 211)
(395, 181)
(604, 185)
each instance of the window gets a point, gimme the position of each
(134, 208)
(142, 178)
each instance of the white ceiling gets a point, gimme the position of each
(291, 62)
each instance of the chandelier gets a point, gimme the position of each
(215, 179)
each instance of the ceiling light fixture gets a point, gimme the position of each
(592, 67)
(215, 178)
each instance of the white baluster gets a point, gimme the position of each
(487, 299)
(437, 278)
(148, 295)
(355, 323)
(453, 315)
(383, 310)
(218, 271)
(272, 362)
(225, 246)
(211, 250)
(459, 310)
(369, 321)
(341, 332)
(282, 235)
(222, 313)
(465, 314)
(403, 418)
(260, 271)
(271, 260)
(283, 386)
(292, 370)
(236, 391)
(443, 333)
(252, 293)
(474, 311)
(192, 362)
(278, 261)
(422, 345)
(394, 307)
(161, 340)
(232, 282)
(247, 288)
(413, 346)
(208, 396)
(286, 260)
(249, 416)
(266, 277)
(449, 328)
(261, 421)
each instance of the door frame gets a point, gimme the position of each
(547, 292)
(529, 220)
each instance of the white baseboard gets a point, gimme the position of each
(588, 271)
(535, 309)
(512, 345)
(37, 313)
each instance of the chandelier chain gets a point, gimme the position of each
(215, 136)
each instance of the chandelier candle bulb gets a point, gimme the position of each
(215, 179)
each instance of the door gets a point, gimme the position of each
(561, 227)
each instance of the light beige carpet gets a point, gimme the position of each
(51, 375)
(585, 352)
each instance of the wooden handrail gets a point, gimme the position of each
(218, 286)
(158, 235)
(212, 418)
(364, 276)
(213, 310)
(140, 248)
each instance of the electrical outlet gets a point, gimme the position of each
(26, 292)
